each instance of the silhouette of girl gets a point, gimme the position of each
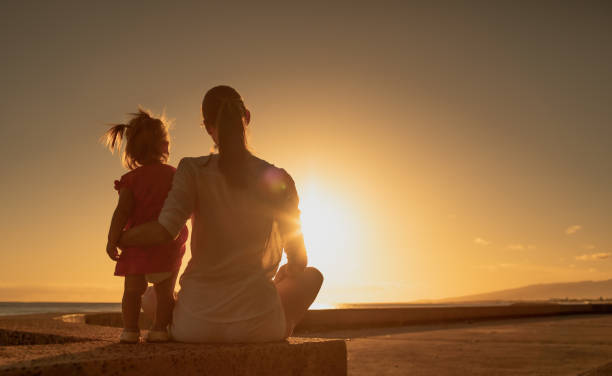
(142, 192)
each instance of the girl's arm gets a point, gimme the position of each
(118, 222)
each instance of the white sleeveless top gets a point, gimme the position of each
(237, 238)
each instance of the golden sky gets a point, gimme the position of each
(440, 149)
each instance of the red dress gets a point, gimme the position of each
(150, 185)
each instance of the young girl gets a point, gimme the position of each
(142, 193)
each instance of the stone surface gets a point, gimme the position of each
(565, 344)
(56, 347)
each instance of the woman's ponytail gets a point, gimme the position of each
(232, 141)
(224, 109)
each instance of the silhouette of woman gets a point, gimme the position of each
(244, 212)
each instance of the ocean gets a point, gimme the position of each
(23, 308)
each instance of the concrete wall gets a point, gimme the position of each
(330, 319)
(356, 318)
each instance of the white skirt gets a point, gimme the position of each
(268, 327)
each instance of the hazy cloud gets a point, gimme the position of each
(573, 229)
(594, 256)
(481, 241)
(542, 270)
(520, 247)
(588, 247)
(496, 267)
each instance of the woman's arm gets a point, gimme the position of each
(147, 234)
(291, 232)
(178, 207)
(118, 222)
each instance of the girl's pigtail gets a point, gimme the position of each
(113, 137)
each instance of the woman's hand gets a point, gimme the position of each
(144, 235)
(112, 251)
(288, 271)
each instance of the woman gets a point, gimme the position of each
(244, 212)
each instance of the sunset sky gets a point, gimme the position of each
(440, 149)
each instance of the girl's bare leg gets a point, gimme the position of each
(133, 289)
(297, 294)
(164, 293)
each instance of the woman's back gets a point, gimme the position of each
(236, 244)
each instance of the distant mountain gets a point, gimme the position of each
(570, 290)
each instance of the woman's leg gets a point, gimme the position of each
(164, 293)
(297, 294)
(133, 289)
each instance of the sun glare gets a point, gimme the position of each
(329, 228)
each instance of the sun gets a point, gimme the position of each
(329, 227)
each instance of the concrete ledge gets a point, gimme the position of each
(332, 319)
(70, 345)
(55, 347)
(21, 338)
(296, 357)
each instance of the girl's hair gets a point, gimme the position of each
(224, 109)
(146, 140)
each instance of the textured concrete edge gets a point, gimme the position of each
(308, 358)
(65, 345)
(22, 336)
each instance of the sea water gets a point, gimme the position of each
(22, 308)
